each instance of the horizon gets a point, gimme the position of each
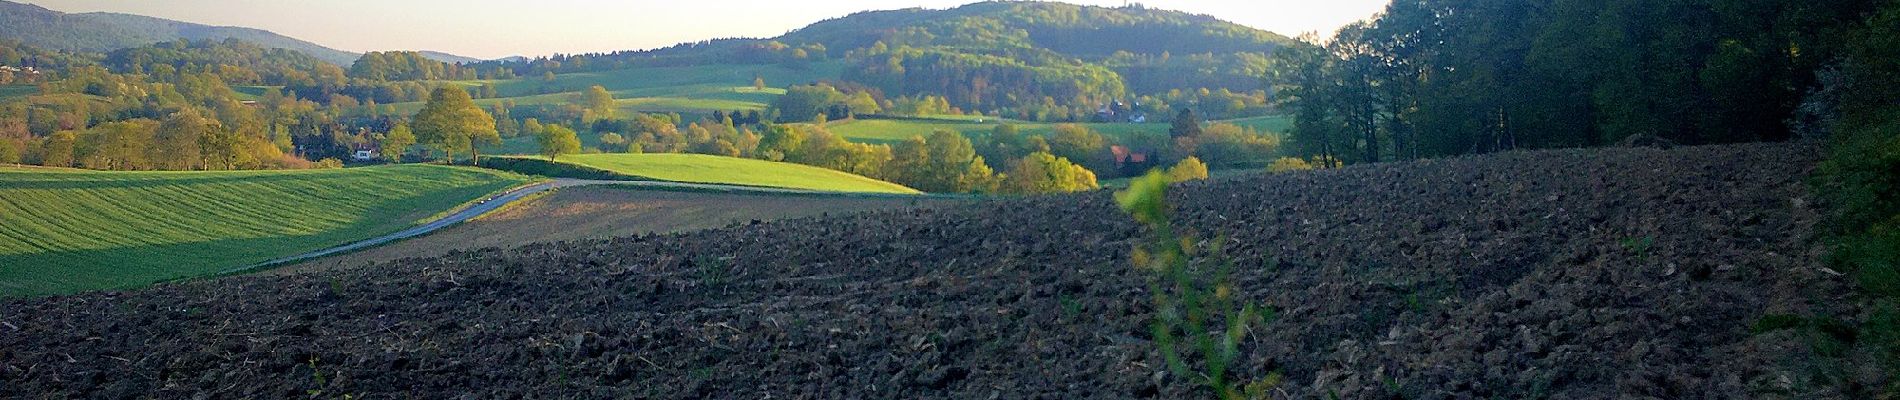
(360, 26)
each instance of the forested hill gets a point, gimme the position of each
(105, 32)
(448, 58)
(1022, 59)
(1093, 33)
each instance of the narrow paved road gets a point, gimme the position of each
(497, 201)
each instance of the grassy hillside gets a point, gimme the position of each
(700, 168)
(892, 130)
(67, 230)
(695, 89)
(8, 92)
(1281, 124)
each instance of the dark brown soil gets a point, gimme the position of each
(600, 212)
(1520, 275)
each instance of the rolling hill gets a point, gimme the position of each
(699, 89)
(1086, 32)
(700, 168)
(448, 58)
(104, 32)
(63, 231)
(897, 130)
(1021, 52)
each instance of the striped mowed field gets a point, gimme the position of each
(64, 231)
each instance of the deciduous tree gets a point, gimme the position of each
(613, 142)
(397, 141)
(1080, 144)
(452, 122)
(1189, 169)
(1041, 172)
(557, 140)
(176, 144)
(58, 149)
(118, 146)
(598, 102)
(1186, 124)
(9, 151)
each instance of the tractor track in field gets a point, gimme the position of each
(497, 201)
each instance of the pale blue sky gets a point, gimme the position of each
(491, 29)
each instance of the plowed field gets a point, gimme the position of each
(1616, 273)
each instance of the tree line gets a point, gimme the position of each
(1002, 160)
(1442, 77)
(1857, 108)
(944, 162)
(1430, 78)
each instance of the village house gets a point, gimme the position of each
(365, 152)
(1121, 112)
(1132, 161)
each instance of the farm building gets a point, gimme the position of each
(1132, 161)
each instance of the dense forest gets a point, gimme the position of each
(147, 107)
(1431, 77)
(1857, 106)
(232, 61)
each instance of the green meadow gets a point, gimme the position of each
(17, 90)
(64, 231)
(709, 169)
(695, 89)
(896, 130)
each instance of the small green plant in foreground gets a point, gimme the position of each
(1639, 246)
(713, 271)
(1198, 321)
(317, 375)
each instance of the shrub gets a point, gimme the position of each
(1045, 173)
(9, 151)
(612, 142)
(1861, 180)
(1189, 169)
(556, 140)
(1228, 144)
(1289, 164)
(1198, 318)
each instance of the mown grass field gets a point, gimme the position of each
(700, 168)
(1281, 124)
(696, 89)
(527, 145)
(65, 231)
(253, 92)
(9, 92)
(896, 130)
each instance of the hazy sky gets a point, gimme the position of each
(492, 29)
